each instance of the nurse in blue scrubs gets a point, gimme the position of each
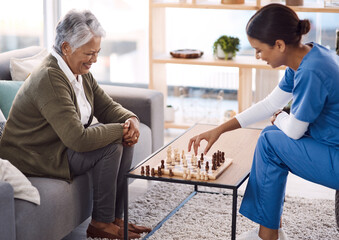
(304, 141)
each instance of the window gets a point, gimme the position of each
(123, 58)
(21, 24)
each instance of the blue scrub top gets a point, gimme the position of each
(315, 89)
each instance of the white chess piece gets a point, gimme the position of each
(188, 174)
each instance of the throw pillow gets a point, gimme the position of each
(8, 90)
(23, 188)
(2, 117)
(2, 126)
(21, 68)
(2, 123)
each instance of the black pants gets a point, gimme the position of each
(108, 164)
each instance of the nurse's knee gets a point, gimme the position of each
(269, 128)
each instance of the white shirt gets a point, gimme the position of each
(264, 109)
(83, 104)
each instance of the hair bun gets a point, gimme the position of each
(304, 26)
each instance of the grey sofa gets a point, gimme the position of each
(64, 205)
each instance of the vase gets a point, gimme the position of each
(222, 55)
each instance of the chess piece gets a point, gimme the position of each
(207, 167)
(214, 166)
(142, 170)
(199, 164)
(188, 176)
(152, 172)
(162, 164)
(159, 171)
(202, 157)
(206, 176)
(198, 174)
(147, 170)
(171, 172)
(184, 163)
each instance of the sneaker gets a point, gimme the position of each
(250, 235)
(282, 234)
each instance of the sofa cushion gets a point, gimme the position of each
(19, 53)
(22, 187)
(63, 207)
(8, 90)
(2, 122)
(21, 68)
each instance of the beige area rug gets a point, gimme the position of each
(208, 216)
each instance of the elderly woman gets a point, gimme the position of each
(47, 133)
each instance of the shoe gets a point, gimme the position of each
(250, 235)
(94, 232)
(132, 227)
(282, 234)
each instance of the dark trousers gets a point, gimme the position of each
(108, 165)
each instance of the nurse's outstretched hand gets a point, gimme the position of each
(210, 136)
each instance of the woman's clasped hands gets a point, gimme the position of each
(131, 131)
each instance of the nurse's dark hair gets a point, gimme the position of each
(277, 21)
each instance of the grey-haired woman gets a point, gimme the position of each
(48, 133)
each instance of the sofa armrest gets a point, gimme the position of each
(147, 104)
(7, 212)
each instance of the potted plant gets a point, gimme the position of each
(225, 47)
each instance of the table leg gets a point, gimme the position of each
(234, 212)
(126, 208)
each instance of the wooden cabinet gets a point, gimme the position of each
(159, 57)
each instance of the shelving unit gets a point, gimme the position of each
(158, 57)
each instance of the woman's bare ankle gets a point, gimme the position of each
(268, 233)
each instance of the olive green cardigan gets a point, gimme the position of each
(45, 120)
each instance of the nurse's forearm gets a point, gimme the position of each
(230, 125)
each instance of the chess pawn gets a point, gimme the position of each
(171, 172)
(173, 162)
(182, 154)
(169, 159)
(152, 172)
(198, 174)
(184, 163)
(192, 159)
(142, 170)
(162, 164)
(184, 175)
(207, 166)
(202, 177)
(206, 176)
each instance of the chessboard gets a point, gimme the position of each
(188, 166)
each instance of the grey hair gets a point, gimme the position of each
(77, 28)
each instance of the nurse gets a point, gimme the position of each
(304, 142)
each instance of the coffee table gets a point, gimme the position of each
(238, 145)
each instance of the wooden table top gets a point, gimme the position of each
(238, 145)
